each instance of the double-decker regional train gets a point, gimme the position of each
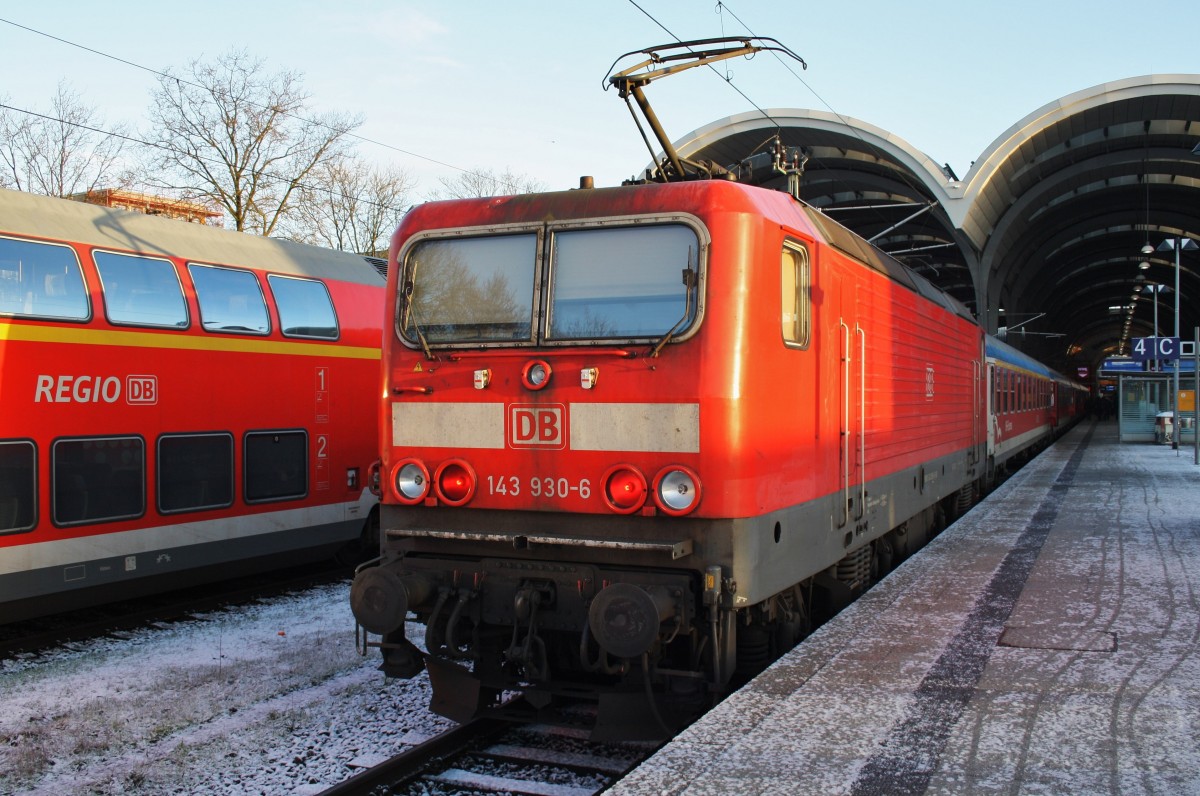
(179, 402)
(631, 436)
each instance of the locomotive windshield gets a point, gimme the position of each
(620, 282)
(602, 283)
(471, 289)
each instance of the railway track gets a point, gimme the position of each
(496, 755)
(45, 634)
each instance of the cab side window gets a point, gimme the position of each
(796, 305)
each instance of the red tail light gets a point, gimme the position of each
(624, 489)
(455, 480)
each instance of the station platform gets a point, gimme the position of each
(1048, 642)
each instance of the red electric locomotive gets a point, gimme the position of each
(180, 402)
(633, 437)
(628, 431)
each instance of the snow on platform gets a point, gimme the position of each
(1045, 643)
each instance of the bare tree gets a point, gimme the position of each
(62, 152)
(481, 182)
(229, 134)
(347, 205)
(12, 127)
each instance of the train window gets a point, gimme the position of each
(230, 300)
(18, 486)
(476, 289)
(195, 471)
(622, 282)
(795, 292)
(141, 291)
(276, 465)
(305, 309)
(98, 479)
(41, 280)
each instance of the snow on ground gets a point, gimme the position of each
(269, 698)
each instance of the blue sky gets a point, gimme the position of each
(517, 85)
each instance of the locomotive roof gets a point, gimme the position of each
(635, 198)
(61, 219)
(850, 243)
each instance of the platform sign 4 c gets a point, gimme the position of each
(1146, 348)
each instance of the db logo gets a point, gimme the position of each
(536, 426)
(141, 389)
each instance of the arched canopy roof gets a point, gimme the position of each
(868, 179)
(1050, 219)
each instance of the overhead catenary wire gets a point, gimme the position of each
(728, 80)
(904, 177)
(722, 7)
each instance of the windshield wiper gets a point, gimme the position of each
(410, 312)
(689, 283)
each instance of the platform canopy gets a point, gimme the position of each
(1049, 221)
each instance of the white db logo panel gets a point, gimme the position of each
(536, 426)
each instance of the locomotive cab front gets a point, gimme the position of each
(541, 445)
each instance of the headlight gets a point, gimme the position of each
(411, 479)
(536, 374)
(676, 490)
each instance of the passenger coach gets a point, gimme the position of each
(178, 402)
(1029, 405)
